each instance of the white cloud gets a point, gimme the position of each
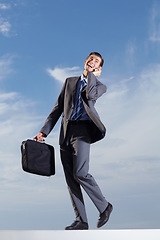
(17, 123)
(6, 96)
(5, 27)
(5, 6)
(155, 23)
(61, 74)
(20, 190)
(16, 118)
(131, 112)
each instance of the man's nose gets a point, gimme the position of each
(92, 62)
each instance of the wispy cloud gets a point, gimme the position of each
(61, 74)
(5, 25)
(15, 110)
(130, 53)
(5, 66)
(155, 23)
(7, 17)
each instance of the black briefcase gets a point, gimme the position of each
(38, 158)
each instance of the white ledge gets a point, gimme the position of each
(137, 234)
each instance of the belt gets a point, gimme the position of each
(79, 122)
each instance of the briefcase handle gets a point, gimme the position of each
(38, 141)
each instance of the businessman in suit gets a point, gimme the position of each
(80, 127)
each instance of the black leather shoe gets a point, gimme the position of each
(77, 225)
(104, 217)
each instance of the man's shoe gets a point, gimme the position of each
(103, 217)
(78, 225)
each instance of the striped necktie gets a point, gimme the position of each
(78, 108)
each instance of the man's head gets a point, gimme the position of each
(92, 62)
(98, 55)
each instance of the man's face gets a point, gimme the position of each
(92, 62)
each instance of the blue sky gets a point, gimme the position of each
(43, 42)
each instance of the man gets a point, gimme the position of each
(80, 127)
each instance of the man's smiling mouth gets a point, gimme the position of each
(89, 65)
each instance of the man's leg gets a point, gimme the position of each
(81, 150)
(73, 185)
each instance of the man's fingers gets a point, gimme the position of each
(39, 137)
(97, 73)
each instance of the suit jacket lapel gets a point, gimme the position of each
(74, 88)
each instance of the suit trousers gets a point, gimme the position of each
(75, 160)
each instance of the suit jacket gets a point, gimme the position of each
(65, 104)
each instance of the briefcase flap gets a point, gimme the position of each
(38, 158)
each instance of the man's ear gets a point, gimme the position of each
(100, 67)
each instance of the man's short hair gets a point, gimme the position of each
(98, 55)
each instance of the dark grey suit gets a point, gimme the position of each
(75, 141)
